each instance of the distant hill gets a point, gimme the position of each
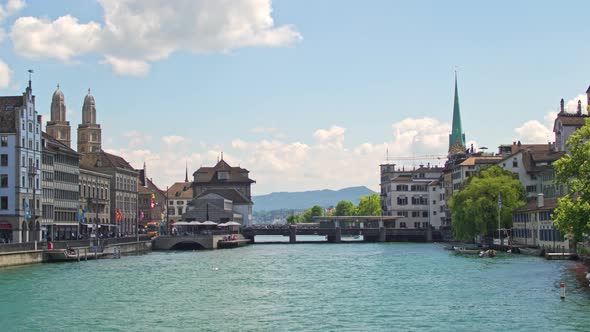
(307, 199)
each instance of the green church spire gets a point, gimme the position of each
(457, 137)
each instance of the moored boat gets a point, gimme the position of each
(531, 251)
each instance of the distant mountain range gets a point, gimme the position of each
(307, 199)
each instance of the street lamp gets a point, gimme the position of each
(499, 213)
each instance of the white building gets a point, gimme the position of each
(416, 194)
(20, 161)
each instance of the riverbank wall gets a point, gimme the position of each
(33, 253)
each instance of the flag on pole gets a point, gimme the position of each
(27, 211)
(118, 215)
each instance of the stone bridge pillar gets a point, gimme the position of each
(382, 232)
(429, 234)
(292, 234)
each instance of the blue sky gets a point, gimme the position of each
(320, 108)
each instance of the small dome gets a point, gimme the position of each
(89, 99)
(58, 95)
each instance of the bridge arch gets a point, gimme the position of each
(188, 245)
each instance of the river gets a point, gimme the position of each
(303, 287)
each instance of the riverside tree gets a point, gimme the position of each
(345, 208)
(369, 206)
(572, 215)
(475, 206)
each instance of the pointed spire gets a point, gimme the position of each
(186, 174)
(457, 137)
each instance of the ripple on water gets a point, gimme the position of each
(344, 287)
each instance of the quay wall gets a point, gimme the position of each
(25, 253)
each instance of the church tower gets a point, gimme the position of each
(58, 127)
(89, 132)
(457, 137)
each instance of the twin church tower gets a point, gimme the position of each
(89, 132)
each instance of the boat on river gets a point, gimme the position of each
(465, 251)
(531, 251)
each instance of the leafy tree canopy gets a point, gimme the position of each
(475, 206)
(572, 215)
(345, 208)
(369, 206)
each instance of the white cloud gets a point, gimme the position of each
(62, 39)
(534, 132)
(260, 130)
(5, 75)
(10, 8)
(172, 140)
(136, 32)
(281, 165)
(125, 67)
(572, 105)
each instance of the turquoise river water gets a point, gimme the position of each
(303, 287)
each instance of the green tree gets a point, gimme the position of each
(475, 206)
(572, 215)
(369, 206)
(292, 219)
(345, 208)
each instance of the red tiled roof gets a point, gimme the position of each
(209, 174)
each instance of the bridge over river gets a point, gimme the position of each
(372, 228)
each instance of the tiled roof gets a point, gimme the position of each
(570, 119)
(8, 114)
(55, 145)
(472, 161)
(531, 205)
(100, 160)
(209, 174)
(181, 190)
(531, 159)
(233, 195)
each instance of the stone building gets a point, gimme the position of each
(89, 132)
(58, 127)
(152, 200)
(566, 123)
(95, 200)
(64, 186)
(20, 168)
(123, 188)
(219, 185)
(413, 194)
(180, 194)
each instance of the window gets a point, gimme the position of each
(531, 189)
(4, 160)
(402, 201)
(424, 214)
(434, 202)
(425, 225)
(415, 214)
(179, 211)
(416, 225)
(434, 213)
(4, 203)
(223, 175)
(514, 162)
(4, 180)
(3, 140)
(402, 225)
(401, 187)
(402, 213)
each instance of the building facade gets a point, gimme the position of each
(20, 168)
(414, 194)
(152, 200)
(65, 189)
(180, 194)
(231, 183)
(95, 202)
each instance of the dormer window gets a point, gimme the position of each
(223, 175)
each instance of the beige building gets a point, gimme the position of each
(95, 200)
(180, 194)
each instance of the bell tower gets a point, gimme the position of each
(89, 132)
(58, 127)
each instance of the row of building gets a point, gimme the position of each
(421, 194)
(50, 191)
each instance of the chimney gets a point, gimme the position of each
(561, 106)
(540, 200)
(579, 107)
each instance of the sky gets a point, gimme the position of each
(305, 94)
